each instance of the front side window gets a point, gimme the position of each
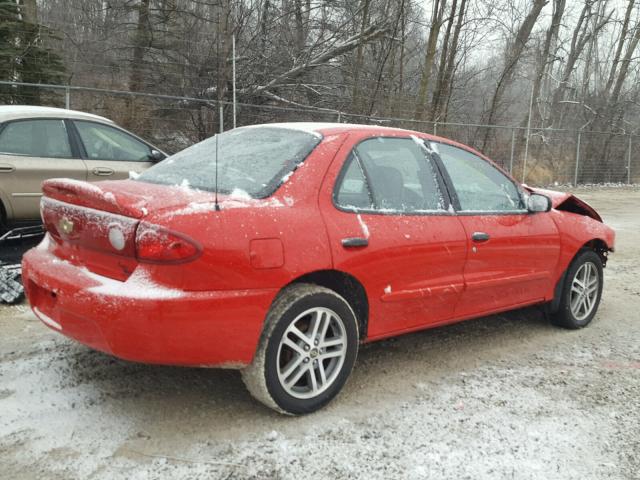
(251, 160)
(103, 142)
(390, 174)
(35, 138)
(479, 185)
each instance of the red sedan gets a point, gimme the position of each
(278, 249)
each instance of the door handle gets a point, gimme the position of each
(104, 171)
(7, 168)
(354, 242)
(480, 237)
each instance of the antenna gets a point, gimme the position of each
(216, 204)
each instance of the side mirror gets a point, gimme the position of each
(156, 155)
(538, 203)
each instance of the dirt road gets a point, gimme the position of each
(506, 396)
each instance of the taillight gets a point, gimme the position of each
(155, 244)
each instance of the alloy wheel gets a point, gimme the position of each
(584, 291)
(311, 352)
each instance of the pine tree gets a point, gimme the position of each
(25, 54)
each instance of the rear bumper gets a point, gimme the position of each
(143, 323)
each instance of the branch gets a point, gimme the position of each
(368, 35)
(280, 99)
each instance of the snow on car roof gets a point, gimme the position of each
(316, 127)
(14, 112)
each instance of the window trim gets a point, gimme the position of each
(351, 158)
(74, 132)
(454, 195)
(446, 198)
(74, 152)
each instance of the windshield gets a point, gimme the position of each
(254, 160)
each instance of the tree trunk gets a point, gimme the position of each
(432, 42)
(443, 89)
(140, 44)
(355, 96)
(621, 41)
(513, 56)
(545, 60)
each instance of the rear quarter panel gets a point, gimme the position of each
(237, 238)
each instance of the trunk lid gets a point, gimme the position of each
(95, 225)
(123, 197)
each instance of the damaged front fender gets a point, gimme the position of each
(567, 202)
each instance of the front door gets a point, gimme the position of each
(512, 253)
(390, 227)
(32, 151)
(110, 153)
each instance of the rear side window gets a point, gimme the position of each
(35, 138)
(391, 175)
(354, 190)
(254, 160)
(479, 185)
(102, 142)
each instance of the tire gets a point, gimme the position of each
(586, 302)
(283, 354)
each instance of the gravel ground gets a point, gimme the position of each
(506, 396)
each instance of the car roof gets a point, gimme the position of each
(328, 128)
(15, 112)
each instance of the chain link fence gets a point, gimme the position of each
(535, 156)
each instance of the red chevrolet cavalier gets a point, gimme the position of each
(278, 249)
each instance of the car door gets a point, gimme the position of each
(512, 253)
(109, 152)
(31, 151)
(389, 226)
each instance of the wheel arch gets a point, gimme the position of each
(345, 285)
(597, 245)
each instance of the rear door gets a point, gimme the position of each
(31, 151)
(109, 152)
(512, 253)
(389, 226)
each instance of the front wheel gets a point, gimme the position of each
(307, 350)
(581, 292)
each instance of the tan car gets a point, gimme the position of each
(37, 143)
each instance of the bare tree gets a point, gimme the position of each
(513, 54)
(437, 14)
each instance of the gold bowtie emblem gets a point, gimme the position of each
(66, 225)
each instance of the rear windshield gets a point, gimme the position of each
(254, 160)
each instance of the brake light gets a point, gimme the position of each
(155, 244)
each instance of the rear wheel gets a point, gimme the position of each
(307, 350)
(581, 292)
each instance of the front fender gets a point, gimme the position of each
(568, 202)
(577, 231)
